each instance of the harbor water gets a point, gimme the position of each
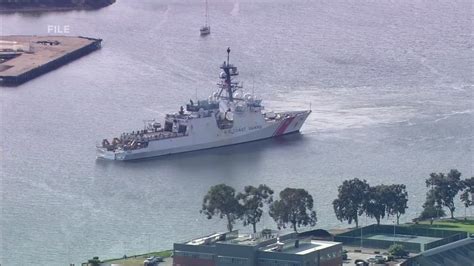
(389, 82)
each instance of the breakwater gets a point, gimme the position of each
(27, 57)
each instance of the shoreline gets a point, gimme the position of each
(462, 224)
(44, 9)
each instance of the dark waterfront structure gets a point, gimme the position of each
(23, 58)
(261, 249)
(457, 253)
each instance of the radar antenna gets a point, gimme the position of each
(229, 71)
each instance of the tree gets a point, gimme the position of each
(344, 255)
(350, 200)
(431, 209)
(397, 250)
(396, 199)
(295, 207)
(467, 197)
(252, 201)
(374, 204)
(95, 261)
(221, 201)
(445, 188)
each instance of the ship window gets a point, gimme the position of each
(168, 126)
(182, 129)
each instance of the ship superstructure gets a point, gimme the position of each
(229, 116)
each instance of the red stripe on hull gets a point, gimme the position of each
(281, 130)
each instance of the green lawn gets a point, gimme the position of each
(137, 260)
(449, 224)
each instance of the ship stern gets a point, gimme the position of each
(102, 153)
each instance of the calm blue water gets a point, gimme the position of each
(390, 84)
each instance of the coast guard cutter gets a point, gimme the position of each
(229, 116)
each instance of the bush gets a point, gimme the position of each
(431, 212)
(344, 255)
(94, 261)
(397, 250)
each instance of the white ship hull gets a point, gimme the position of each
(204, 134)
(228, 116)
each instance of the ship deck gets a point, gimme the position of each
(162, 135)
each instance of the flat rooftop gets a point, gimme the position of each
(403, 238)
(268, 242)
(34, 51)
(206, 240)
(305, 246)
(233, 237)
(249, 239)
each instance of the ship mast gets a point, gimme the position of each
(229, 70)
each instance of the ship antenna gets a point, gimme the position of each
(228, 79)
(229, 71)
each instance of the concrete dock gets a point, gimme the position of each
(23, 58)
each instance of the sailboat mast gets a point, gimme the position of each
(206, 29)
(207, 14)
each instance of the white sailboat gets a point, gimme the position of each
(206, 29)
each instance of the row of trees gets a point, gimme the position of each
(443, 189)
(294, 207)
(356, 197)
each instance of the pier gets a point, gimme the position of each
(23, 58)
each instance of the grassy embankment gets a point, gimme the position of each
(449, 224)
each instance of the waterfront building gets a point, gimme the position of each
(261, 249)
